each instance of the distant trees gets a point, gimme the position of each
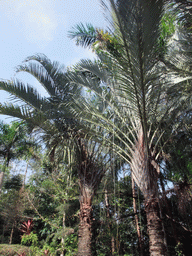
(14, 143)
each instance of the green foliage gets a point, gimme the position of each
(106, 42)
(14, 182)
(12, 206)
(30, 239)
(46, 250)
(84, 35)
(54, 196)
(167, 29)
(71, 244)
(116, 222)
(15, 141)
(167, 26)
(178, 157)
(178, 249)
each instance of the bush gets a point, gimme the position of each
(30, 240)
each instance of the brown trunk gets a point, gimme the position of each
(109, 226)
(107, 204)
(145, 171)
(113, 245)
(1, 180)
(62, 239)
(137, 219)
(62, 243)
(85, 226)
(90, 175)
(154, 225)
(11, 235)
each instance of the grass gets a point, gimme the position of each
(13, 249)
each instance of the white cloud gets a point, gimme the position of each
(34, 17)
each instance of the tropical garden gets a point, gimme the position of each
(102, 165)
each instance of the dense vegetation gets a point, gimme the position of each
(107, 154)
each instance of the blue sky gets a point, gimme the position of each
(41, 26)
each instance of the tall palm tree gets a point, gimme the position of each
(59, 126)
(136, 92)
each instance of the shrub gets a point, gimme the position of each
(29, 240)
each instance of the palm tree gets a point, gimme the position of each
(59, 126)
(135, 90)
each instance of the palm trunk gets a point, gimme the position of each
(90, 175)
(137, 219)
(156, 234)
(154, 225)
(146, 172)
(85, 226)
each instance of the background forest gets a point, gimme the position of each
(103, 164)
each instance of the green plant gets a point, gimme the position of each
(71, 244)
(178, 249)
(35, 251)
(30, 240)
(48, 250)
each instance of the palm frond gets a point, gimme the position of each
(23, 113)
(84, 36)
(24, 93)
(137, 23)
(49, 74)
(184, 8)
(133, 88)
